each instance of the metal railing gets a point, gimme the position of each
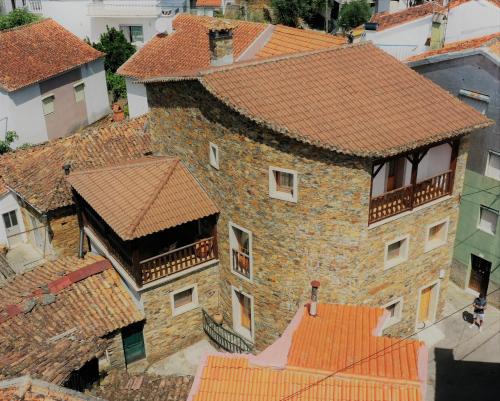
(135, 8)
(35, 6)
(241, 263)
(223, 337)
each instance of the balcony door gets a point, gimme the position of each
(395, 174)
(479, 274)
(12, 228)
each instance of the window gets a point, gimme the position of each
(243, 314)
(79, 89)
(395, 308)
(437, 235)
(396, 252)
(240, 241)
(475, 99)
(488, 219)
(493, 165)
(48, 104)
(184, 299)
(214, 155)
(10, 219)
(133, 33)
(283, 184)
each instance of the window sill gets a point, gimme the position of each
(184, 309)
(393, 263)
(430, 246)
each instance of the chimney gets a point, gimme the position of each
(67, 169)
(220, 35)
(438, 30)
(313, 308)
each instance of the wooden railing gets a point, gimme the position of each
(223, 337)
(178, 260)
(241, 263)
(406, 198)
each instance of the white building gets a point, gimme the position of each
(51, 83)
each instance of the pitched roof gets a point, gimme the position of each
(336, 355)
(36, 173)
(488, 40)
(38, 51)
(53, 318)
(187, 50)
(355, 99)
(156, 193)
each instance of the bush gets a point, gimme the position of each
(290, 12)
(17, 17)
(117, 48)
(354, 14)
(10, 137)
(116, 86)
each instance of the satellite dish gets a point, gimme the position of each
(163, 25)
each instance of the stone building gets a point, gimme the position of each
(340, 165)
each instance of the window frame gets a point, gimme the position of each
(391, 321)
(45, 97)
(481, 207)
(82, 84)
(213, 159)
(273, 191)
(429, 244)
(188, 307)
(237, 327)
(250, 253)
(486, 170)
(390, 263)
(9, 214)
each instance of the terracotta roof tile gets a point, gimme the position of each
(37, 175)
(157, 193)
(355, 99)
(67, 324)
(38, 51)
(488, 40)
(388, 20)
(208, 3)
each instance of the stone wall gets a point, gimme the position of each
(65, 235)
(165, 334)
(116, 355)
(323, 236)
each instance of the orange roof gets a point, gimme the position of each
(459, 46)
(144, 196)
(388, 20)
(208, 3)
(354, 99)
(38, 51)
(325, 345)
(187, 51)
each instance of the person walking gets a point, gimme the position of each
(479, 308)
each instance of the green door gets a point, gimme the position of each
(133, 343)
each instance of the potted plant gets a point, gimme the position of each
(218, 318)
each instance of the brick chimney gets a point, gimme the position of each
(220, 34)
(313, 307)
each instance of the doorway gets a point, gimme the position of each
(12, 228)
(243, 314)
(36, 227)
(479, 274)
(395, 174)
(133, 343)
(427, 303)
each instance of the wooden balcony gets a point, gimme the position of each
(178, 260)
(406, 198)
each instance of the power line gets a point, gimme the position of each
(309, 386)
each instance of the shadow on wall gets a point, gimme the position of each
(464, 380)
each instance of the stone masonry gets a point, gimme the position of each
(324, 236)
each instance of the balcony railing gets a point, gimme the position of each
(124, 8)
(35, 6)
(178, 260)
(409, 197)
(241, 263)
(224, 338)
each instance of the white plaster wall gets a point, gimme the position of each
(471, 20)
(8, 203)
(21, 111)
(71, 14)
(436, 161)
(379, 182)
(96, 92)
(98, 26)
(137, 98)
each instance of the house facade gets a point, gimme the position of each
(62, 92)
(469, 70)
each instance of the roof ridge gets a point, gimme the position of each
(152, 199)
(126, 164)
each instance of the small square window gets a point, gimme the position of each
(488, 219)
(394, 308)
(396, 252)
(48, 104)
(437, 235)
(79, 89)
(184, 300)
(493, 165)
(283, 184)
(214, 155)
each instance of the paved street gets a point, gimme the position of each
(465, 364)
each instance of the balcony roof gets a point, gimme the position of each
(144, 196)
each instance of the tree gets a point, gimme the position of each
(10, 137)
(354, 14)
(291, 12)
(17, 17)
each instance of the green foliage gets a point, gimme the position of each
(116, 86)
(354, 14)
(17, 17)
(117, 48)
(10, 137)
(290, 12)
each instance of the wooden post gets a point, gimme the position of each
(414, 172)
(136, 267)
(455, 145)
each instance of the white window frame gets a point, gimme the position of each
(237, 314)
(250, 254)
(81, 83)
(481, 207)
(429, 244)
(51, 95)
(213, 158)
(486, 170)
(185, 308)
(388, 264)
(274, 193)
(391, 321)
